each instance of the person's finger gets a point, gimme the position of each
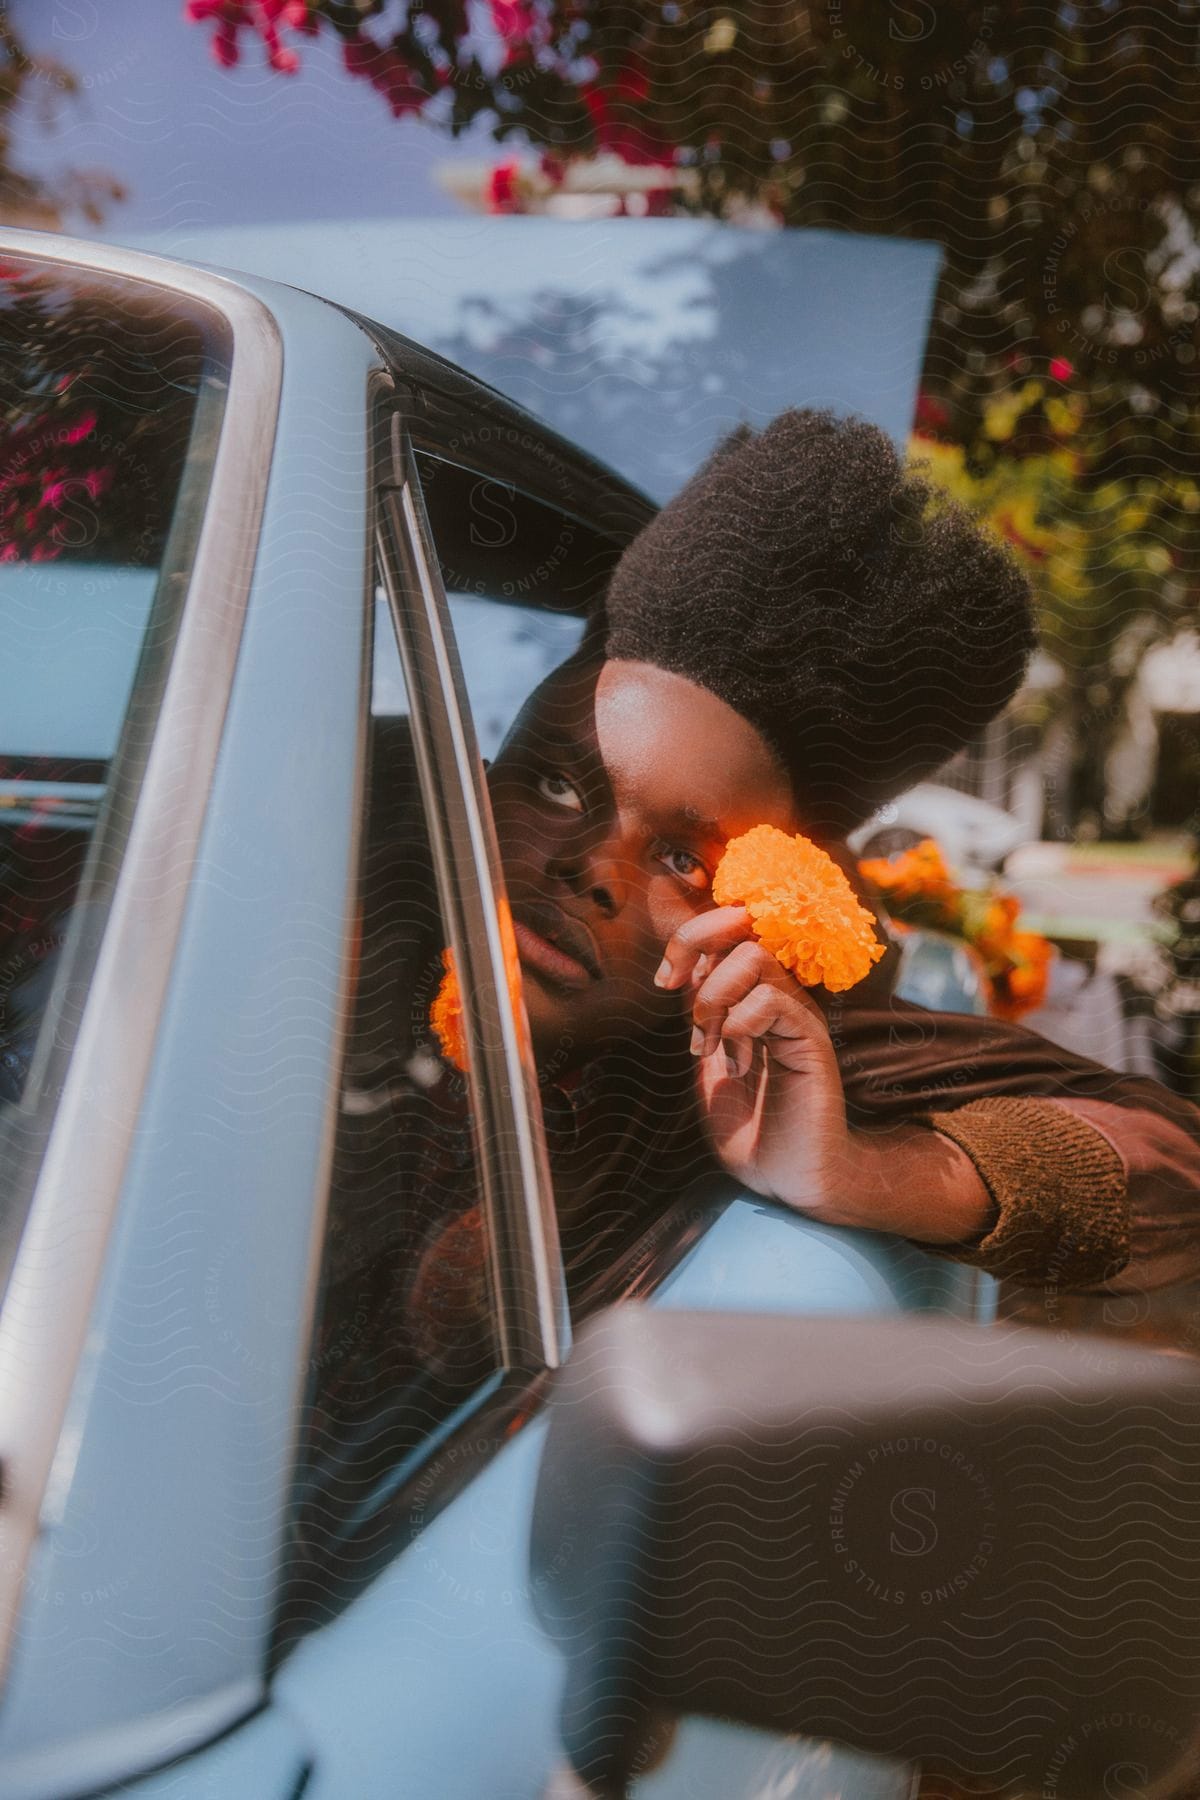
(758, 1013)
(714, 930)
(733, 976)
(702, 967)
(782, 1010)
(741, 1056)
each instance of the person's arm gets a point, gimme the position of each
(1057, 1169)
(975, 1138)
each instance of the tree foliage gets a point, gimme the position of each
(41, 85)
(1053, 151)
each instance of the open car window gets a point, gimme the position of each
(524, 577)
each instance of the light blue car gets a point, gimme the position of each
(274, 577)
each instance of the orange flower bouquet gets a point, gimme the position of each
(918, 889)
(801, 907)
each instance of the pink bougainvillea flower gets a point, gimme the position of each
(225, 44)
(98, 481)
(931, 414)
(262, 18)
(514, 19)
(616, 130)
(387, 72)
(502, 194)
(74, 434)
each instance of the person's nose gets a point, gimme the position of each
(600, 874)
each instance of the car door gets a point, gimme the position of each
(164, 1515)
(428, 1620)
(224, 1561)
(183, 672)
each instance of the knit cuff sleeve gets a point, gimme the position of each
(1059, 1185)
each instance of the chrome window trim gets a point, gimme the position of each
(64, 1243)
(529, 1287)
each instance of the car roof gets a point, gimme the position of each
(642, 341)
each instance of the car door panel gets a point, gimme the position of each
(448, 1631)
(758, 1257)
(265, 1759)
(439, 1680)
(149, 1604)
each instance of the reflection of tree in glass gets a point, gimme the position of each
(647, 384)
(97, 392)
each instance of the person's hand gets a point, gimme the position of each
(771, 1095)
(769, 1084)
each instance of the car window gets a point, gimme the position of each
(110, 403)
(407, 1346)
(505, 652)
(522, 576)
(405, 1342)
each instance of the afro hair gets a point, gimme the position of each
(865, 623)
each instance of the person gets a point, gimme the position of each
(804, 631)
(800, 634)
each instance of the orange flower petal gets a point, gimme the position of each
(801, 906)
(446, 1017)
(446, 1012)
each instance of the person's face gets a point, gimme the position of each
(614, 795)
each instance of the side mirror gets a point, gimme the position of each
(927, 1540)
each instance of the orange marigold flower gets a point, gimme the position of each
(917, 874)
(1022, 988)
(801, 907)
(446, 1013)
(994, 937)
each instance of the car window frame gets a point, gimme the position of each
(516, 452)
(424, 410)
(528, 1295)
(527, 1280)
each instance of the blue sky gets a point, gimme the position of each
(199, 145)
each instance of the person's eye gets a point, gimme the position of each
(689, 868)
(560, 792)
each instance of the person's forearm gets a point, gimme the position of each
(1095, 1175)
(911, 1180)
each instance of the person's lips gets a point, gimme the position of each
(555, 946)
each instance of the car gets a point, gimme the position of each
(265, 560)
(975, 836)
